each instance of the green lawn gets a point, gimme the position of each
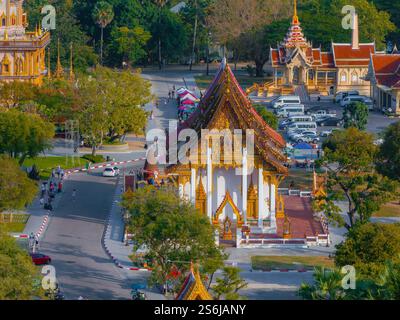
(245, 81)
(46, 164)
(391, 209)
(17, 225)
(290, 262)
(303, 180)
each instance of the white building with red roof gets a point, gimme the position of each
(384, 75)
(296, 63)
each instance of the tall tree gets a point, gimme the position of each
(173, 231)
(16, 189)
(19, 279)
(389, 153)
(234, 21)
(161, 4)
(229, 285)
(356, 115)
(24, 135)
(349, 158)
(103, 14)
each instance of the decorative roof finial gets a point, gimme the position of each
(59, 70)
(295, 17)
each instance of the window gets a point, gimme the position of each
(354, 77)
(343, 77)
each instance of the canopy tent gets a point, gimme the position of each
(303, 146)
(188, 101)
(189, 96)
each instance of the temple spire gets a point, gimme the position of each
(59, 70)
(295, 17)
(49, 66)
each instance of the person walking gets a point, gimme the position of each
(59, 189)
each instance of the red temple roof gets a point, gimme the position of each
(345, 55)
(225, 92)
(387, 69)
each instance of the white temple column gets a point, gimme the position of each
(244, 185)
(193, 186)
(273, 205)
(260, 197)
(181, 190)
(209, 184)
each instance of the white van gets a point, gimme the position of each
(306, 126)
(350, 99)
(293, 119)
(282, 100)
(290, 110)
(343, 94)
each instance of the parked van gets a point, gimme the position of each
(350, 99)
(343, 94)
(282, 100)
(292, 119)
(306, 126)
(290, 110)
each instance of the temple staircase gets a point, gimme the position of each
(301, 91)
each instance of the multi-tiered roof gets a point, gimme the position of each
(226, 103)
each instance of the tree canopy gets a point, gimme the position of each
(24, 135)
(349, 159)
(16, 189)
(389, 153)
(173, 232)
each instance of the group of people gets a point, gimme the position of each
(49, 188)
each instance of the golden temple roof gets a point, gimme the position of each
(193, 287)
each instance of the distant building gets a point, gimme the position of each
(296, 63)
(22, 54)
(178, 7)
(384, 74)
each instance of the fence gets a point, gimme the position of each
(8, 217)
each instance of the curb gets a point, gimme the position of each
(39, 233)
(284, 270)
(104, 165)
(107, 229)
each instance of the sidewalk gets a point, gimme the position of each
(113, 239)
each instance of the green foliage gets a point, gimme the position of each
(23, 134)
(368, 247)
(229, 285)
(68, 31)
(270, 118)
(349, 158)
(356, 115)
(173, 232)
(389, 153)
(130, 43)
(111, 105)
(322, 21)
(94, 159)
(17, 272)
(16, 189)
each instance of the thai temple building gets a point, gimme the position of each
(298, 66)
(193, 287)
(384, 74)
(238, 193)
(22, 53)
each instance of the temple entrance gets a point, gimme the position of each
(298, 77)
(228, 219)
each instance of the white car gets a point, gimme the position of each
(111, 172)
(325, 133)
(306, 136)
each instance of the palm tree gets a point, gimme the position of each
(327, 286)
(103, 14)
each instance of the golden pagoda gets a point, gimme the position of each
(59, 70)
(22, 53)
(193, 287)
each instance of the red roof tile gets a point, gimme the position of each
(345, 55)
(387, 69)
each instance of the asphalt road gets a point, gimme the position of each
(73, 240)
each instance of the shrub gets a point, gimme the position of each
(368, 247)
(94, 159)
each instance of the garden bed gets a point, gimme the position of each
(266, 263)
